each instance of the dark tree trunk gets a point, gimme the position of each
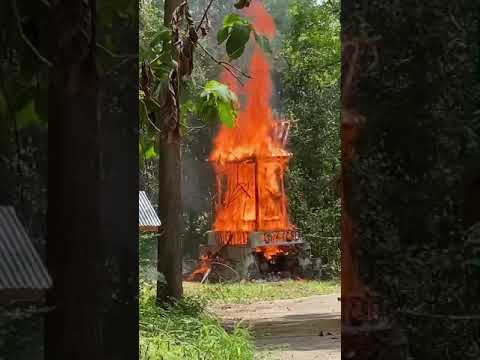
(119, 195)
(170, 6)
(74, 247)
(170, 212)
(170, 249)
(92, 249)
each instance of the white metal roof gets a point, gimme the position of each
(147, 216)
(20, 265)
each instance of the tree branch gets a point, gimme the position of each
(117, 56)
(204, 15)
(229, 67)
(153, 125)
(25, 38)
(157, 57)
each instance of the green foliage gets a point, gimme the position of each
(313, 45)
(23, 85)
(186, 331)
(236, 32)
(147, 251)
(251, 292)
(310, 81)
(217, 101)
(21, 332)
(157, 59)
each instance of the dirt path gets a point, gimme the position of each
(299, 329)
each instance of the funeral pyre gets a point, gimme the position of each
(252, 233)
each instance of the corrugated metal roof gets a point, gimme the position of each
(20, 264)
(147, 215)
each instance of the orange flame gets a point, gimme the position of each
(250, 159)
(205, 265)
(269, 252)
(262, 20)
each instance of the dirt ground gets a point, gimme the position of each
(299, 329)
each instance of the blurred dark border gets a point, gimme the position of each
(411, 194)
(69, 169)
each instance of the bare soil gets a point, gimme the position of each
(298, 329)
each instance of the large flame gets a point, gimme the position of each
(250, 159)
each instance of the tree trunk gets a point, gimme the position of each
(170, 210)
(169, 8)
(74, 246)
(170, 249)
(119, 192)
(93, 202)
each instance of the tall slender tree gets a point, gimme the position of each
(73, 328)
(170, 176)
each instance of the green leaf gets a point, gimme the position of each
(219, 90)
(217, 102)
(27, 116)
(232, 19)
(264, 43)
(143, 111)
(227, 114)
(161, 36)
(235, 54)
(223, 34)
(150, 153)
(239, 36)
(236, 31)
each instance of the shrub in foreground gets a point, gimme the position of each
(186, 331)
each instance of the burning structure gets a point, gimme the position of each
(252, 230)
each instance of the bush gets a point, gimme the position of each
(186, 331)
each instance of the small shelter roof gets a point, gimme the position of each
(23, 276)
(147, 217)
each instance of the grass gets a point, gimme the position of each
(186, 331)
(251, 292)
